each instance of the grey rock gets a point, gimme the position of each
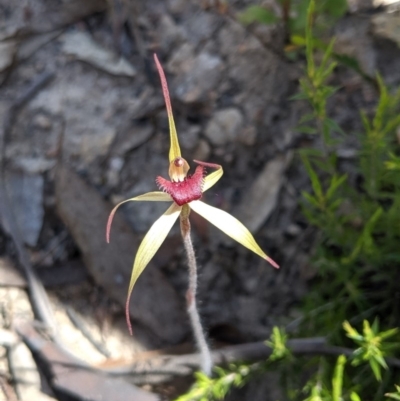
(170, 33)
(26, 197)
(247, 313)
(225, 126)
(26, 374)
(202, 151)
(387, 25)
(113, 173)
(248, 136)
(352, 39)
(189, 136)
(81, 46)
(181, 60)
(361, 5)
(177, 6)
(42, 121)
(34, 165)
(293, 229)
(261, 198)
(7, 53)
(92, 146)
(260, 77)
(143, 214)
(132, 138)
(201, 26)
(203, 73)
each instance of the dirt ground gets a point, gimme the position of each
(83, 126)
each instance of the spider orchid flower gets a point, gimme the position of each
(184, 191)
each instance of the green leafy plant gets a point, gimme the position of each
(293, 13)
(357, 253)
(372, 345)
(333, 392)
(394, 396)
(278, 344)
(216, 388)
(330, 383)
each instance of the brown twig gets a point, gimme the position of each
(7, 389)
(161, 369)
(81, 326)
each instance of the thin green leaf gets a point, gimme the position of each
(304, 129)
(316, 185)
(337, 380)
(336, 182)
(354, 396)
(334, 126)
(258, 14)
(376, 369)
(311, 199)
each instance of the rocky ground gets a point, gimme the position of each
(83, 126)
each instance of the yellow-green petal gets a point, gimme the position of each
(212, 179)
(156, 196)
(149, 246)
(230, 226)
(174, 150)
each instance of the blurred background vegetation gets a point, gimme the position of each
(354, 298)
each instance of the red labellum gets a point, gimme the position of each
(185, 191)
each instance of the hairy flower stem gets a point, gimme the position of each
(205, 354)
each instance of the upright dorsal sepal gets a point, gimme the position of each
(174, 151)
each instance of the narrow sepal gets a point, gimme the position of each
(174, 150)
(155, 196)
(231, 227)
(149, 246)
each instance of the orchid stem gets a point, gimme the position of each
(198, 331)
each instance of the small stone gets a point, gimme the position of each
(202, 76)
(117, 163)
(42, 121)
(361, 5)
(387, 26)
(293, 230)
(34, 165)
(200, 27)
(189, 136)
(177, 6)
(352, 39)
(248, 136)
(225, 126)
(119, 279)
(202, 151)
(132, 139)
(141, 214)
(93, 146)
(262, 197)
(170, 33)
(347, 153)
(181, 60)
(26, 197)
(82, 46)
(113, 174)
